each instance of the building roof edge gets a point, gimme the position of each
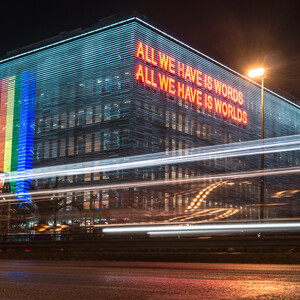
(217, 62)
(137, 17)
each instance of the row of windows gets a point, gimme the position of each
(104, 85)
(193, 127)
(173, 203)
(162, 200)
(274, 116)
(184, 123)
(93, 114)
(93, 142)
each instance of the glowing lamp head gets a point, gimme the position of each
(257, 72)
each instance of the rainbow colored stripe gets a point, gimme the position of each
(17, 111)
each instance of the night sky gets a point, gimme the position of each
(240, 34)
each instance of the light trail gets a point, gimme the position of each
(141, 184)
(271, 145)
(215, 232)
(175, 229)
(223, 213)
(202, 195)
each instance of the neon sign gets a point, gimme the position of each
(167, 74)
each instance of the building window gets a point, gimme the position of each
(186, 126)
(105, 175)
(97, 113)
(55, 121)
(72, 119)
(39, 152)
(80, 118)
(88, 143)
(63, 120)
(79, 145)
(97, 176)
(107, 112)
(167, 146)
(62, 151)
(87, 202)
(87, 177)
(97, 141)
(46, 150)
(174, 123)
(71, 146)
(167, 119)
(180, 122)
(173, 172)
(204, 131)
(106, 139)
(89, 115)
(70, 179)
(47, 123)
(198, 130)
(54, 148)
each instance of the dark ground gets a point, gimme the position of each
(142, 280)
(223, 249)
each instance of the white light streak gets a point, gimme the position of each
(272, 145)
(168, 229)
(141, 184)
(212, 232)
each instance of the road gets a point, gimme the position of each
(146, 280)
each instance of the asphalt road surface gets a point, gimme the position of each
(146, 280)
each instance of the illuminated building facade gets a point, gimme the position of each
(128, 88)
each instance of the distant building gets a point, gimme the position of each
(128, 88)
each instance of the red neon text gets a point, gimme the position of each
(197, 87)
(166, 83)
(228, 92)
(146, 53)
(188, 73)
(230, 111)
(188, 93)
(145, 75)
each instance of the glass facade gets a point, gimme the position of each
(130, 89)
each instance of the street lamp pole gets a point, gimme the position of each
(260, 73)
(262, 156)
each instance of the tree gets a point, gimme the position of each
(44, 208)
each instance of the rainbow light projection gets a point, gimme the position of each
(17, 110)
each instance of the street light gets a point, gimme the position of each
(257, 73)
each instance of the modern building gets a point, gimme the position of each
(128, 88)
